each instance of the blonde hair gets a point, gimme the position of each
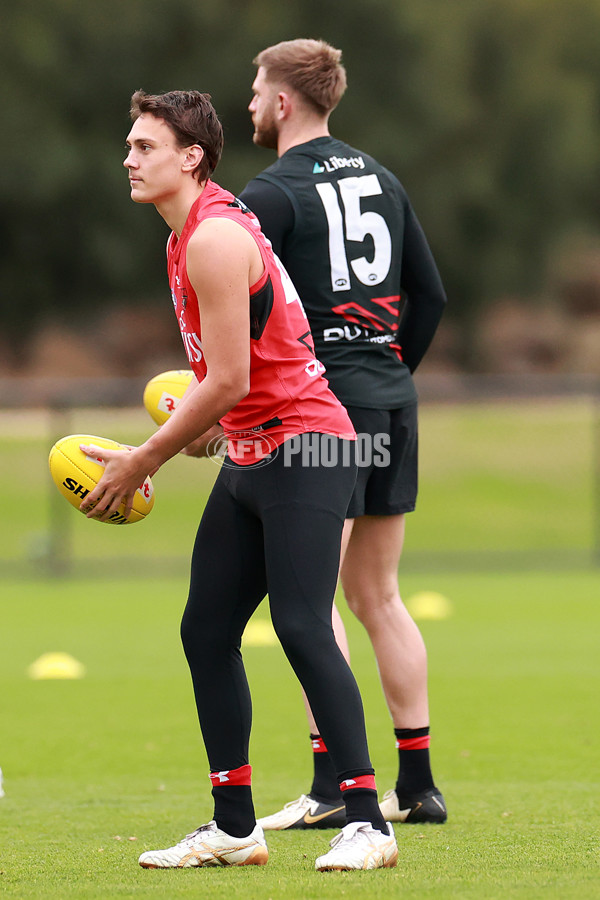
(312, 68)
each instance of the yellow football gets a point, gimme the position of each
(76, 474)
(164, 391)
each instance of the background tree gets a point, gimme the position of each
(486, 109)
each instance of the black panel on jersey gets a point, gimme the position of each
(345, 231)
(261, 304)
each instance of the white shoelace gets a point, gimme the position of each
(301, 801)
(352, 833)
(211, 826)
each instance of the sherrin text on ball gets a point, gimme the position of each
(75, 474)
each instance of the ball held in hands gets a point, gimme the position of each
(76, 473)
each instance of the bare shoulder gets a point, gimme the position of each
(222, 234)
(221, 243)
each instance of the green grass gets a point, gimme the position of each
(507, 481)
(521, 473)
(99, 769)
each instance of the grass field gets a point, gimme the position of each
(508, 480)
(98, 769)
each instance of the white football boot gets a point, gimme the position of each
(209, 846)
(305, 812)
(360, 846)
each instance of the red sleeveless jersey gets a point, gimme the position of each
(288, 393)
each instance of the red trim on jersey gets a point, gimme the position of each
(417, 743)
(361, 781)
(344, 310)
(256, 287)
(318, 745)
(232, 777)
(389, 303)
(397, 350)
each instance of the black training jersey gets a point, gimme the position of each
(357, 255)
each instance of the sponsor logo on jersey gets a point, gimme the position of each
(314, 368)
(354, 333)
(193, 346)
(338, 162)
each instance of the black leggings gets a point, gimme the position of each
(273, 529)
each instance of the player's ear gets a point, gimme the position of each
(284, 105)
(193, 157)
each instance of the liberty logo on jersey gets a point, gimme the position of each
(338, 162)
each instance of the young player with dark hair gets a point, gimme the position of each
(345, 230)
(271, 524)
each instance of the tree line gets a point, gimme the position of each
(487, 110)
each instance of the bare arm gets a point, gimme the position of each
(222, 262)
(219, 260)
(211, 443)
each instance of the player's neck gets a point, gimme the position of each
(175, 208)
(292, 135)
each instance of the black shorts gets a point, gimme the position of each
(387, 455)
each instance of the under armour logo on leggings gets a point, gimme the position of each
(361, 781)
(228, 777)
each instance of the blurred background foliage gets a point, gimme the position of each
(487, 110)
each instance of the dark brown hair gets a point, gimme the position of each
(312, 68)
(191, 117)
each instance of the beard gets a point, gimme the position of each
(266, 135)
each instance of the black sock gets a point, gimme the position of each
(360, 796)
(234, 809)
(414, 773)
(325, 787)
(362, 806)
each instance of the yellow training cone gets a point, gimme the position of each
(55, 665)
(429, 605)
(259, 633)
